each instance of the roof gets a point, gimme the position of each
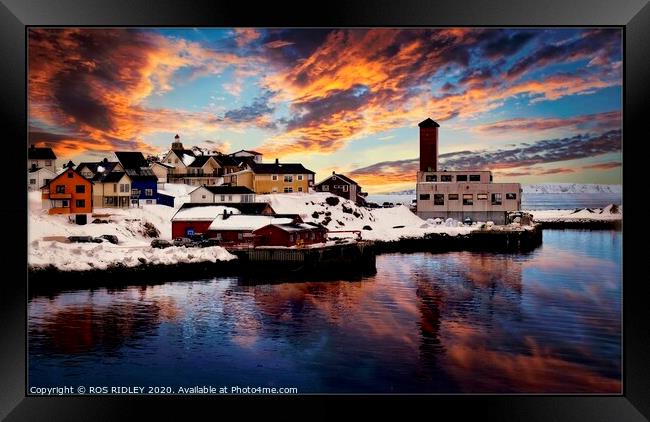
(131, 160)
(246, 222)
(248, 208)
(226, 160)
(340, 176)
(207, 213)
(110, 177)
(428, 123)
(294, 227)
(227, 190)
(249, 151)
(162, 164)
(91, 166)
(199, 161)
(64, 172)
(279, 168)
(34, 153)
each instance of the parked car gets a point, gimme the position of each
(81, 239)
(467, 221)
(206, 243)
(160, 243)
(110, 237)
(388, 205)
(183, 241)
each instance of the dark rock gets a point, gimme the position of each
(332, 200)
(367, 228)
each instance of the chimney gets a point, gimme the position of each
(277, 161)
(428, 145)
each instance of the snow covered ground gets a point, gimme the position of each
(608, 213)
(385, 224)
(47, 239)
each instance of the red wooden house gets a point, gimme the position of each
(290, 235)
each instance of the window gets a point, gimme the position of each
(222, 198)
(202, 196)
(446, 178)
(48, 162)
(452, 197)
(32, 181)
(149, 201)
(425, 197)
(431, 178)
(482, 196)
(64, 203)
(468, 199)
(326, 188)
(496, 199)
(60, 188)
(310, 177)
(175, 160)
(46, 181)
(438, 199)
(124, 187)
(290, 238)
(80, 189)
(218, 236)
(274, 190)
(80, 203)
(511, 196)
(69, 175)
(135, 192)
(299, 188)
(169, 161)
(229, 198)
(109, 200)
(461, 178)
(274, 177)
(300, 177)
(490, 177)
(474, 177)
(148, 192)
(288, 190)
(240, 236)
(288, 178)
(345, 188)
(312, 236)
(115, 187)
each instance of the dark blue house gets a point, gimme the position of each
(144, 183)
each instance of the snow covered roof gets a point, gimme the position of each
(188, 159)
(207, 213)
(246, 222)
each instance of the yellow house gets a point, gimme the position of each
(273, 178)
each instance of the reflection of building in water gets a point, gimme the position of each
(92, 325)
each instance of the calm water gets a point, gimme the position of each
(548, 321)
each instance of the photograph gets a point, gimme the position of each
(324, 210)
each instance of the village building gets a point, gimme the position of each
(38, 158)
(258, 230)
(69, 193)
(161, 170)
(37, 177)
(343, 186)
(144, 183)
(111, 184)
(255, 156)
(459, 194)
(275, 177)
(225, 193)
(195, 218)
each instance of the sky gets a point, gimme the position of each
(534, 105)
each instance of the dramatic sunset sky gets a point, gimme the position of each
(533, 105)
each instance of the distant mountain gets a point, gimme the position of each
(571, 188)
(550, 188)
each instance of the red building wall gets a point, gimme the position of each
(274, 236)
(179, 227)
(428, 148)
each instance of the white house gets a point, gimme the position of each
(254, 155)
(41, 158)
(36, 178)
(217, 194)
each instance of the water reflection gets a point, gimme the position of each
(458, 322)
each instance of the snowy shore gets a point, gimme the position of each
(610, 213)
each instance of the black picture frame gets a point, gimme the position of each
(17, 15)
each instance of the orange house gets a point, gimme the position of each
(68, 193)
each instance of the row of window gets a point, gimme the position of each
(77, 188)
(79, 203)
(136, 192)
(47, 162)
(344, 188)
(468, 198)
(287, 177)
(450, 178)
(33, 181)
(287, 189)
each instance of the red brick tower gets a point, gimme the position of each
(428, 145)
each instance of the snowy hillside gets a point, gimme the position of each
(133, 227)
(380, 224)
